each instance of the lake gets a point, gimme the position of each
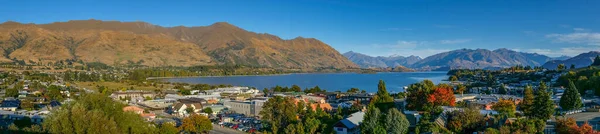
(395, 81)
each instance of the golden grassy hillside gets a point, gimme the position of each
(117, 43)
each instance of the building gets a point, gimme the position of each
(241, 107)
(350, 125)
(216, 109)
(140, 111)
(324, 106)
(180, 108)
(229, 90)
(248, 108)
(10, 104)
(132, 94)
(133, 109)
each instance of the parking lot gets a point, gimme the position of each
(239, 122)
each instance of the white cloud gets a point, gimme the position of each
(568, 51)
(576, 38)
(580, 29)
(456, 41)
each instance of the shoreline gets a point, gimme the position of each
(162, 78)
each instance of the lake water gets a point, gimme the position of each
(329, 81)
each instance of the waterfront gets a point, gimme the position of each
(329, 81)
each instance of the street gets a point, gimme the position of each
(219, 130)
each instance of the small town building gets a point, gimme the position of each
(350, 125)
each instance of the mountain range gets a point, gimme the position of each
(365, 61)
(472, 59)
(118, 43)
(581, 60)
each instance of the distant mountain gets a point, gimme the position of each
(581, 60)
(564, 57)
(115, 43)
(365, 61)
(480, 59)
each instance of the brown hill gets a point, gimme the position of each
(114, 43)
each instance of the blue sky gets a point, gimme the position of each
(378, 28)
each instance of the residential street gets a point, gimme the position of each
(219, 130)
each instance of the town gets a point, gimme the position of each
(516, 99)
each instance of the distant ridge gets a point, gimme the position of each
(480, 59)
(581, 60)
(365, 61)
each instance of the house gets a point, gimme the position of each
(10, 104)
(350, 125)
(140, 111)
(193, 100)
(180, 108)
(133, 109)
(132, 94)
(53, 105)
(324, 106)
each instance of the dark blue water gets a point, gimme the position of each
(329, 81)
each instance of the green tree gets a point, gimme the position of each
(54, 93)
(571, 100)
(596, 61)
(466, 121)
(196, 124)
(382, 93)
(543, 104)
(371, 120)
(379, 130)
(491, 131)
(95, 113)
(290, 129)
(382, 99)
(168, 128)
(27, 104)
(23, 122)
(528, 100)
(561, 67)
(189, 110)
(396, 122)
(502, 89)
(353, 90)
(506, 108)
(453, 78)
(461, 89)
(279, 112)
(296, 88)
(207, 110)
(572, 66)
(311, 125)
(12, 92)
(299, 128)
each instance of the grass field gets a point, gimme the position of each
(115, 86)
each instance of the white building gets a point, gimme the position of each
(230, 90)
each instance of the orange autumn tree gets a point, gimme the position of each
(442, 95)
(425, 96)
(569, 126)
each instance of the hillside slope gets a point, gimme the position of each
(116, 43)
(581, 60)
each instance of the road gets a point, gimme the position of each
(218, 130)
